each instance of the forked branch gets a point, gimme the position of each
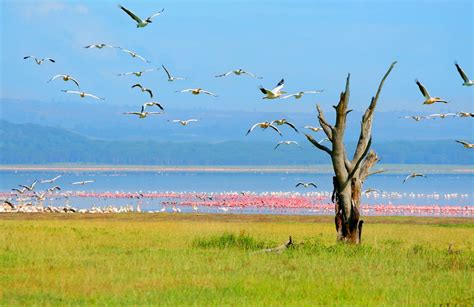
(317, 145)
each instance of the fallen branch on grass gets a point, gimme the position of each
(278, 249)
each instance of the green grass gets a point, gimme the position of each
(213, 260)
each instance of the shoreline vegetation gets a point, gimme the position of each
(317, 169)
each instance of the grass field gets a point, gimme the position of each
(215, 260)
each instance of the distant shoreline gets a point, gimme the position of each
(391, 169)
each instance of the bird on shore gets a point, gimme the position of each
(413, 175)
(238, 72)
(275, 92)
(171, 78)
(133, 54)
(428, 98)
(29, 187)
(314, 129)
(65, 78)
(197, 91)
(415, 117)
(466, 144)
(83, 182)
(301, 94)
(137, 73)
(39, 61)
(441, 115)
(184, 122)
(51, 180)
(467, 81)
(143, 89)
(98, 46)
(465, 114)
(140, 22)
(306, 184)
(264, 125)
(83, 94)
(225, 209)
(283, 121)
(286, 143)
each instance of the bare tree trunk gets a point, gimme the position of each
(349, 174)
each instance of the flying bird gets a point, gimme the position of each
(238, 72)
(134, 54)
(143, 114)
(170, 77)
(264, 125)
(83, 182)
(428, 98)
(152, 103)
(415, 117)
(413, 175)
(83, 94)
(465, 114)
(19, 191)
(140, 22)
(370, 190)
(301, 94)
(283, 121)
(197, 91)
(286, 143)
(144, 89)
(137, 73)
(274, 93)
(466, 144)
(306, 185)
(29, 187)
(55, 188)
(441, 115)
(183, 122)
(39, 61)
(467, 81)
(51, 180)
(65, 78)
(99, 46)
(314, 129)
(6, 202)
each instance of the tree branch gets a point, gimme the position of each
(366, 124)
(319, 146)
(327, 128)
(370, 160)
(356, 166)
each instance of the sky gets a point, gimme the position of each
(311, 44)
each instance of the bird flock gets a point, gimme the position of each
(276, 92)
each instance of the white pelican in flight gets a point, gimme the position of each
(465, 114)
(467, 81)
(83, 94)
(65, 78)
(238, 72)
(184, 122)
(314, 129)
(134, 54)
(466, 144)
(152, 103)
(143, 114)
(428, 98)
(140, 22)
(29, 187)
(286, 143)
(415, 117)
(306, 185)
(51, 180)
(170, 77)
(144, 89)
(83, 182)
(99, 46)
(197, 91)
(137, 73)
(283, 121)
(39, 61)
(264, 125)
(413, 175)
(442, 115)
(274, 93)
(301, 94)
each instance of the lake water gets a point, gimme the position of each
(454, 189)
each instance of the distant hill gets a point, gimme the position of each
(36, 144)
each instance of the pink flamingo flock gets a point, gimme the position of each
(278, 202)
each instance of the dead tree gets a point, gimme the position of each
(349, 174)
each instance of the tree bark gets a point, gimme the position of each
(349, 174)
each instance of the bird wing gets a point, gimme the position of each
(167, 72)
(154, 113)
(250, 74)
(253, 127)
(29, 56)
(462, 142)
(89, 181)
(278, 144)
(137, 85)
(462, 73)
(94, 96)
(131, 14)
(142, 58)
(314, 92)
(125, 73)
(149, 92)
(155, 104)
(151, 69)
(209, 93)
(51, 60)
(75, 81)
(263, 90)
(134, 113)
(71, 92)
(292, 126)
(288, 96)
(224, 75)
(187, 90)
(192, 120)
(423, 89)
(55, 77)
(298, 184)
(312, 183)
(279, 86)
(275, 128)
(156, 14)
(408, 177)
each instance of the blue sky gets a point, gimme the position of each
(312, 44)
